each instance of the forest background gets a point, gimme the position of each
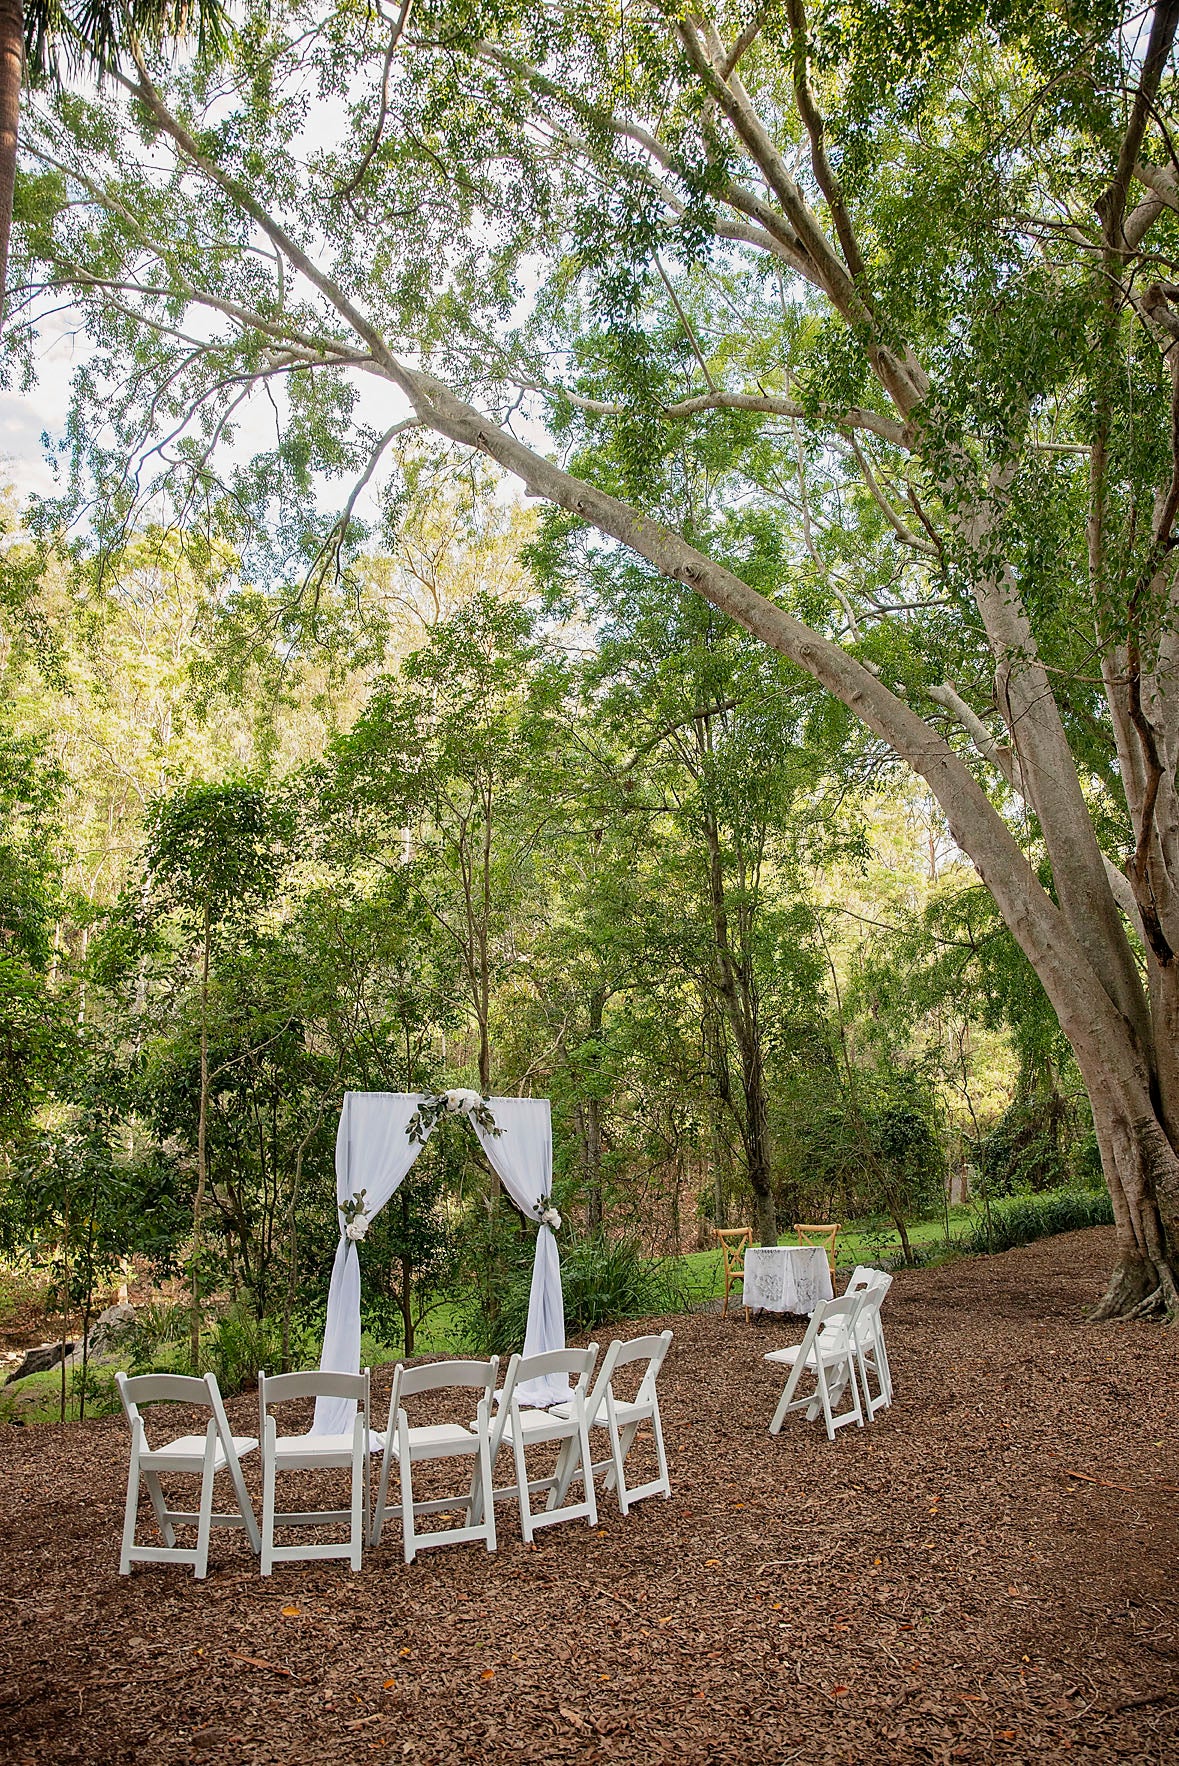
(613, 853)
(419, 786)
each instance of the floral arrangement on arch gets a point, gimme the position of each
(459, 1101)
(546, 1213)
(355, 1216)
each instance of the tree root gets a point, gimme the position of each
(1130, 1283)
(1154, 1306)
(1164, 1302)
(1125, 1296)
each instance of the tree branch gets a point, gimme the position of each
(1111, 207)
(853, 418)
(808, 110)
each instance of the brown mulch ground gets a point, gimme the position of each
(944, 1585)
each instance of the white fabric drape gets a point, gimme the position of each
(373, 1153)
(522, 1157)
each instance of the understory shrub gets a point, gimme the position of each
(603, 1279)
(1019, 1220)
(235, 1343)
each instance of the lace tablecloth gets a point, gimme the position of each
(786, 1278)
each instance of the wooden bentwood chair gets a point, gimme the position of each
(734, 1242)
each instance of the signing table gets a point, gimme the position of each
(786, 1278)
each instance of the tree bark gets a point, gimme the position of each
(198, 1205)
(593, 1117)
(406, 1296)
(738, 994)
(12, 64)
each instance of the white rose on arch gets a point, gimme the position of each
(551, 1218)
(356, 1229)
(462, 1099)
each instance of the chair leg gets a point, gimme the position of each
(563, 1472)
(863, 1371)
(245, 1505)
(488, 1491)
(131, 1510)
(587, 1466)
(857, 1408)
(616, 1476)
(359, 1505)
(566, 1471)
(205, 1513)
(267, 1508)
(825, 1397)
(405, 1473)
(522, 1482)
(660, 1452)
(784, 1402)
(378, 1521)
(155, 1491)
(886, 1371)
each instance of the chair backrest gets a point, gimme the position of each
(576, 1364)
(734, 1242)
(315, 1383)
(622, 1353)
(824, 1234)
(864, 1276)
(441, 1376)
(838, 1315)
(166, 1389)
(884, 1282)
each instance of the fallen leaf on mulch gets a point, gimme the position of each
(257, 1662)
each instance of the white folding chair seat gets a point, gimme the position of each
(200, 1456)
(519, 1427)
(296, 1453)
(413, 1444)
(828, 1351)
(303, 1452)
(441, 1440)
(623, 1418)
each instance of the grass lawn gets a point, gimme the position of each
(860, 1242)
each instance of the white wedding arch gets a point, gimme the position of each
(376, 1144)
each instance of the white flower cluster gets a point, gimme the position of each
(550, 1218)
(356, 1229)
(460, 1099)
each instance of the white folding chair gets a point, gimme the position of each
(828, 1351)
(202, 1456)
(300, 1453)
(431, 1441)
(871, 1354)
(520, 1427)
(623, 1418)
